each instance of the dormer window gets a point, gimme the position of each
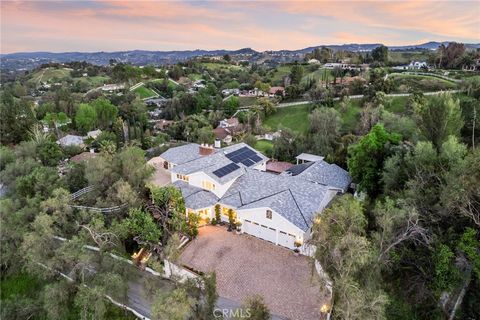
(269, 214)
(208, 185)
(182, 177)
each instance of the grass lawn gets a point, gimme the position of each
(396, 104)
(264, 146)
(351, 116)
(317, 75)
(246, 101)
(218, 66)
(195, 76)
(49, 75)
(19, 284)
(295, 118)
(144, 92)
(407, 82)
(281, 71)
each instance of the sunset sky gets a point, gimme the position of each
(102, 25)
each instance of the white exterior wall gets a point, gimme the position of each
(278, 222)
(261, 166)
(196, 179)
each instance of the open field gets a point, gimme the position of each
(218, 66)
(317, 75)
(279, 73)
(408, 82)
(294, 118)
(95, 81)
(246, 101)
(144, 92)
(49, 75)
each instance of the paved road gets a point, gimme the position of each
(358, 96)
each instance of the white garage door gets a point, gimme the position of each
(286, 239)
(260, 231)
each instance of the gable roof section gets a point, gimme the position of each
(298, 168)
(218, 160)
(195, 198)
(295, 199)
(327, 174)
(182, 154)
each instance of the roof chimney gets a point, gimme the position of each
(205, 150)
(218, 144)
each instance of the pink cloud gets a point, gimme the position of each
(162, 25)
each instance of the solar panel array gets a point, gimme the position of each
(245, 156)
(223, 171)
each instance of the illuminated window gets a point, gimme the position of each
(208, 185)
(182, 177)
(269, 214)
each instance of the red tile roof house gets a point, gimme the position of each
(278, 166)
(279, 91)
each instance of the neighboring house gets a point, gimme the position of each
(276, 91)
(229, 123)
(223, 134)
(158, 102)
(271, 135)
(162, 125)
(228, 92)
(94, 134)
(112, 87)
(71, 140)
(226, 129)
(415, 65)
(277, 208)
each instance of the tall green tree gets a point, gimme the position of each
(366, 158)
(86, 118)
(106, 112)
(440, 118)
(380, 54)
(296, 73)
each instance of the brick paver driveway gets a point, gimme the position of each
(245, 266)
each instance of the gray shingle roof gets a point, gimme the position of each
(327, 174)
(211, 163)
(298, 168)
(71, 140)
(182, 154)
(195, 198)
(296, 199)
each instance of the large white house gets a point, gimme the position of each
(276, 208)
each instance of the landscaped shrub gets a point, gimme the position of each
(217, 213)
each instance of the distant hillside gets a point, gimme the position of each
(30, 60)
